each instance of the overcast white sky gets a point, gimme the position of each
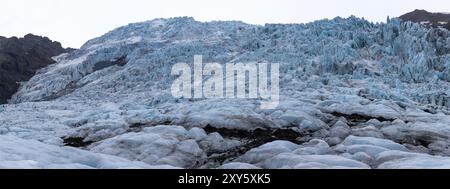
(73, 22)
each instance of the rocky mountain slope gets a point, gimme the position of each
(353, 95)
(427, 18)
(20, 58)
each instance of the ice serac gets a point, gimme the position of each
(354, 94)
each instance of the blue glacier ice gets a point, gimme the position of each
(387, 83)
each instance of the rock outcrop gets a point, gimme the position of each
(20, 58)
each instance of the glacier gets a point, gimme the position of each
(353, 94)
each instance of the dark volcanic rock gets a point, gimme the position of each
(428, 18)
(20, 58)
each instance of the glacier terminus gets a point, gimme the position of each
(351, 94)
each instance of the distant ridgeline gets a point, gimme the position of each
(435, 20)
(20, 58)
